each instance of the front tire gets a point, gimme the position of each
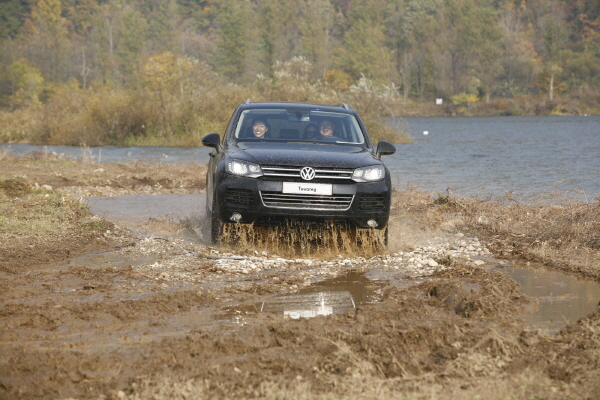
(216, 225)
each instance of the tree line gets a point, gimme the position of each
(463, 50)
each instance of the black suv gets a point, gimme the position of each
(278, 161)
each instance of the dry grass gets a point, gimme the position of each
(528, 385)
(26, 210)
(552, 228)
(37, 224)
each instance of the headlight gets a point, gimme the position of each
(369, 174)
(244, 168)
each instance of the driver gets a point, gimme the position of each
(327, 128)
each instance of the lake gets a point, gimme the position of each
(472, 156)
(491, 156)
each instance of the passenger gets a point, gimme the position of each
(311, 132)
(327, 129)
(260, 127)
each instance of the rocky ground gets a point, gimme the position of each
(103, 309)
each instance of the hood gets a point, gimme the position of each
(304, 154)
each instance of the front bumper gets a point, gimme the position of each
(262, 202)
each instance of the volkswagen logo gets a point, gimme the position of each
(307, 173)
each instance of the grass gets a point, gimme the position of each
(552, 228)
(37, 224)
(27, 211)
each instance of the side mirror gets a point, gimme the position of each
(211, 140)
(385, 148)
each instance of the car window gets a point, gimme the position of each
(303, 125)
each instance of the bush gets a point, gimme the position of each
(76, 117)
(291, 81)
(512, 108)
(19, 125)
(180, 112)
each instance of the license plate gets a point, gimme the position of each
(307, 188)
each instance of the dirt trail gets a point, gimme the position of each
(145, 316)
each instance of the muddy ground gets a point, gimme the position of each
(100, 309)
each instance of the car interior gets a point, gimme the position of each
(286, 126)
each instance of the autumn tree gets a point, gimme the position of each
(131, 42)
(47, 39)
(12, 16)
(518, 51)
(364, 51)
(462, 36)
(315, 26)
(169, 79)
(411, 29)
(552, 35)
(162, 17)
(487, 52)
(426, 47)
(232, 42)
(103, 39)
(26, 83)
(280, 34)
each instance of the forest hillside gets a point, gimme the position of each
(169, 71)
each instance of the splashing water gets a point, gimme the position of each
(307, 238)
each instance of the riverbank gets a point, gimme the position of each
(138, 311)
(517, 106)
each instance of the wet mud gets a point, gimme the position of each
(158, 313)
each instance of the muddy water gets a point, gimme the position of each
(307, 239)
(561, 298)
(146, 211)
(187, 211)
(106, 261)
(328, 297)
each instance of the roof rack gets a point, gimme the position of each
(342, 105)
(247, 101)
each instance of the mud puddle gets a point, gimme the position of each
(332, 296)
(559, 299)
(562, 299)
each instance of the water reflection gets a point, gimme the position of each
(332, 296)
(562, 299)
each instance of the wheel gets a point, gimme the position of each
(216, 225)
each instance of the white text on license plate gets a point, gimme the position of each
(307, 188)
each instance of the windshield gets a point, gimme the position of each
(298, 125)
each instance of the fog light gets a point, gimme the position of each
(235, 217)
(372, 223)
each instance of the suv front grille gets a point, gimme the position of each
(371, 202)
(300, 201)
(294, 172)
(239, 196)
